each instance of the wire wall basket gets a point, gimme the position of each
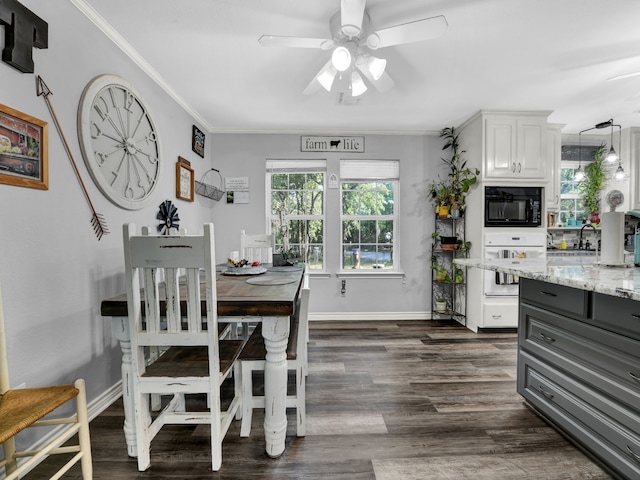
(210, 191)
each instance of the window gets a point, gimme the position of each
(570, 197)
(296, 208)
(369, 214)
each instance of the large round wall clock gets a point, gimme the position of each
(119, 141)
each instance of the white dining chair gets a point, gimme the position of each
(30, 407)
(256, 247)
(252, 359)
(194, 359)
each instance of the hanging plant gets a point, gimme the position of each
(594, 181)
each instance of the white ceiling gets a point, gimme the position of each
(495, 55)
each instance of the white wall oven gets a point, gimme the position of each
(512, 247)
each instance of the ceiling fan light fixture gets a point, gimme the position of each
(341, 58)
(376, 66)
(326, 77)
(357, 85)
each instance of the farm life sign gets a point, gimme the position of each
(332, 144)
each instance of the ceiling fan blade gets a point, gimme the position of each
(383, 84)
(626, 75)
(352, 12)
(296, 42)
(415, 31)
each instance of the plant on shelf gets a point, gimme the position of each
(441, 304)
(450, 193)
(593, 183)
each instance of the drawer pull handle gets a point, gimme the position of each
(549, 395)
(635, 377)
(634, 454)
(546, 338)
(549, 294)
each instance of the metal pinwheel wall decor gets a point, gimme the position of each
(168, 213)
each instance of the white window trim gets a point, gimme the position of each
(299, 166)
(372, 171)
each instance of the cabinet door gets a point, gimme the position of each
(516, 148)
(500, 148)
(531, 148)
(554, 144)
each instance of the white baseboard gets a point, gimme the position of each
(104, 401)
(371, 316)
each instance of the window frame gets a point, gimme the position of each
(373, 172)
(293, 167)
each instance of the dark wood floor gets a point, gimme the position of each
(385, 400)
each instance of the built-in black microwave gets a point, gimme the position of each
(512, 206)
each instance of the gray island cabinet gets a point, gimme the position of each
(579, 366)
(579, 355)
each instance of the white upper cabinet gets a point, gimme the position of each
(516, 146)
(554, 143)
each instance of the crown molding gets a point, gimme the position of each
(138, 59)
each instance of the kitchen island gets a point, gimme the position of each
(579, 353)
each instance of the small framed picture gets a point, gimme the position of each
(185, 181)
(23, 150)
(197, 141)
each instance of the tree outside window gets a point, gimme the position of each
(297, 215)
(368, 224)
(571, 204)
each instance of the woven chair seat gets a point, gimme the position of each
(23, 407)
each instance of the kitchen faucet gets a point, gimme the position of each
(595, 233)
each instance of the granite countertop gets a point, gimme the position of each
(618, 281)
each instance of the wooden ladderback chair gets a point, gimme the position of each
(256, 247)
(177, 313)
(252, 359)
(28, 407)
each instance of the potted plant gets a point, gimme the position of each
(451, 192)
(593, 183)
(441, 304)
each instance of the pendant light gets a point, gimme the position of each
(611, 157)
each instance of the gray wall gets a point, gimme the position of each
(54, 271)
(408, 297)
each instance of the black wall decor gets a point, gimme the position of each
(197, 141)
(23, 31)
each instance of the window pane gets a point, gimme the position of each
(368, 231)
(350, 202)
(279, 181)
(296, 181)
(350, 231)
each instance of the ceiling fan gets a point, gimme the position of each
(352, 43)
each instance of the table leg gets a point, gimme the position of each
(120, 329)
(275, 331)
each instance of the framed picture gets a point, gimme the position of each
(197, 141)
(23, 149)
(185, 181)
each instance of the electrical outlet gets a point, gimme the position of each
(343, 290)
